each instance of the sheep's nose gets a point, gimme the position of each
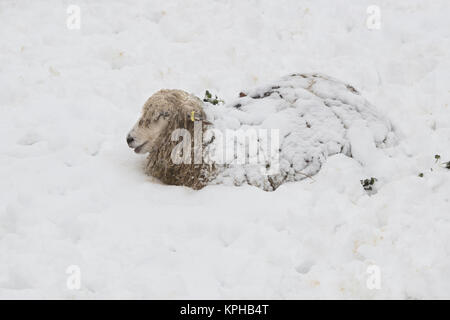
(130, 140)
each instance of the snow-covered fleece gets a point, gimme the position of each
(297, 121)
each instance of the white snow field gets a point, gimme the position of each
(73, 194)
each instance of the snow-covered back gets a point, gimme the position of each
(311, 117)
(73, 193)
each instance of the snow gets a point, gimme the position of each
(73, 193)
(305, 118)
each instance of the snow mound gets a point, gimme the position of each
(317, 116)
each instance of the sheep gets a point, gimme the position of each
(307, 116)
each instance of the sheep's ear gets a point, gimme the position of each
(196, 117)
(192, 116)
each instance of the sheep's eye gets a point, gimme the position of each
(163, 115)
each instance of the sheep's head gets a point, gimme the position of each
(148, 129)
(162, 113)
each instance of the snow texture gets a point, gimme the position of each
(313, 115)
(73, 193)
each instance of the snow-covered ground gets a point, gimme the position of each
(73, 193)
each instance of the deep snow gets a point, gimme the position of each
(72, 193)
